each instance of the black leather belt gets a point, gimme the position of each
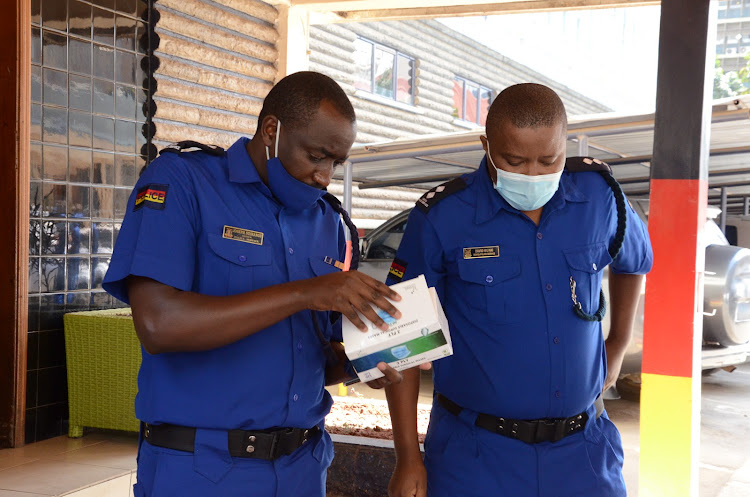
(263, 444)
(526, 430)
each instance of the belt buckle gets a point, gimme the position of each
(545, 430)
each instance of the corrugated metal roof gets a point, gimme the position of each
(626, 142)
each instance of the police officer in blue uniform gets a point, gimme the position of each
(231, 262)
(516, 252)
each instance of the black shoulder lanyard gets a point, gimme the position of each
(331, 357)
(587, 164)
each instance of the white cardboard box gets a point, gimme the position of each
(421, 335)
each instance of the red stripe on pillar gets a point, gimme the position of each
(677, 211)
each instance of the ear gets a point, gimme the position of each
(483, 139)
(267, 130)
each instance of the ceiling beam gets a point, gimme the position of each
(388, 10)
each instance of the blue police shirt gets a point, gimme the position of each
(519, 349)
(208, 224)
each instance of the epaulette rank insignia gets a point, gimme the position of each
(586, 164)
(182, 146)
(432, 197)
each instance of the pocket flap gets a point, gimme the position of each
(589, 259)
(320, 266)
(489, 272)
(240, 253)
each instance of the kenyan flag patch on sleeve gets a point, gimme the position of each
(152, 196)
(397, 270)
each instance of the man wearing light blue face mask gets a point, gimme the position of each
(232, 264)
(515, 410)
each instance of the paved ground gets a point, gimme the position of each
(725, 433)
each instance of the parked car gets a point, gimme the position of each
(726, 321)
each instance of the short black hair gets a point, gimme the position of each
(297, 97)
(527, 105)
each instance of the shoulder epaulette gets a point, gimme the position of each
(584, 164)
(176, 148)
(432, 197)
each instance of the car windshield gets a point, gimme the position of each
(384, 245)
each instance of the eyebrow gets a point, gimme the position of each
(518, 157)
(329, 154)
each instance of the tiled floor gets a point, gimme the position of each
(97, 465)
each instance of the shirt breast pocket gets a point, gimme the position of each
(586, 264)
(250, 264)
(487, 285)
(320, 267)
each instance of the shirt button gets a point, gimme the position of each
(556, 339)
(299, 345)
(242, 258)
(557, 394)
(291, 250)
(489, 278)
(539, 236)
(548, 286)
(296, 397)
(594, 266)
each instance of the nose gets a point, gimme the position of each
(324, 174)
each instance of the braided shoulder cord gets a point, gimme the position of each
(614, 248)
(331, 357)
(353, 232)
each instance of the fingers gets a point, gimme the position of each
(357, 294)
(390, 377)
(355, 319)
(391, 374)
(426, 366)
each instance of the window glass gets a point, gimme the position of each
(383, 73)
(472, 98)
(362, 65)
(471, 101)
(458, 98)
(405, 80)
(484, 105)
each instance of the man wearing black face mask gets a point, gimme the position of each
(231, 263)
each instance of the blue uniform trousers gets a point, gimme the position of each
(171, 473)
(464, 460)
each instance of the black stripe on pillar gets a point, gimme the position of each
(683, 86)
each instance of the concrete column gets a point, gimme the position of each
(671, 373)
(294, 35)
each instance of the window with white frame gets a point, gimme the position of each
(383, 71)
(471, 101)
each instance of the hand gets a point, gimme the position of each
(614, 364)
(349, 292)
(392, 376)
(408, 480)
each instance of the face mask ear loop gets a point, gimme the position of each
(489, 157)
(276, 148)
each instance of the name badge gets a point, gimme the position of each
(481, 252)
(243, 235)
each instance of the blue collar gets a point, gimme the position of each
(488, 202)
(240, 165)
